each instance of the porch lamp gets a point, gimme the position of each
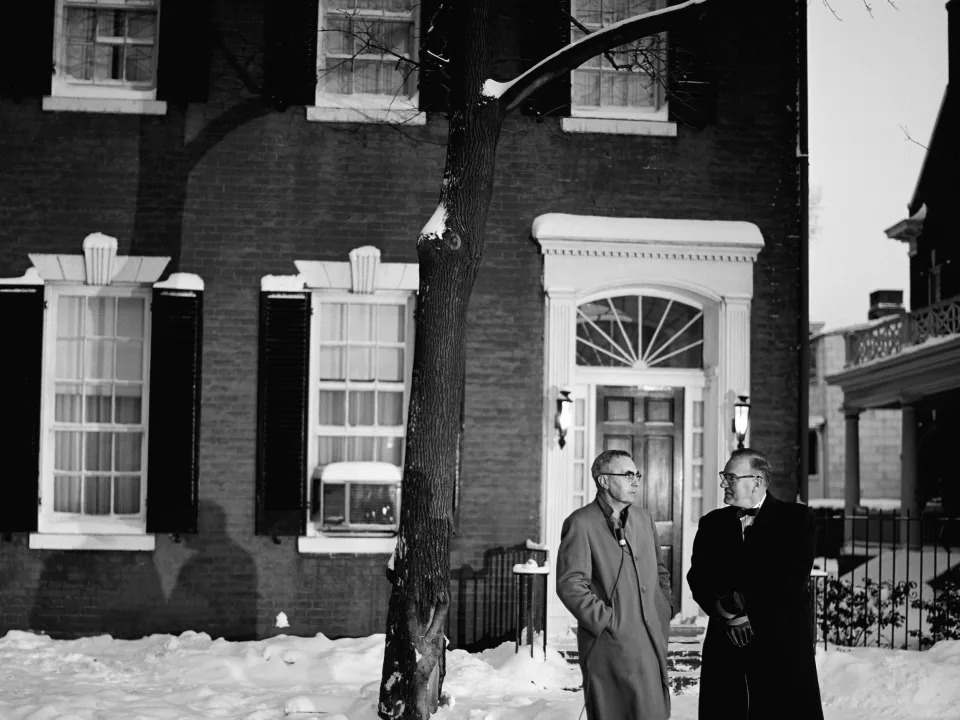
(564, 417)
(741, 419)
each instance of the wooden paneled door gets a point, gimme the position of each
(649, 425)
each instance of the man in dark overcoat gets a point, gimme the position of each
(611, 578)
(750, 573)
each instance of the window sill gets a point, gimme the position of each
(120, 106)
(353, 545)
(76, 541)
(394, 116)
(619, 126)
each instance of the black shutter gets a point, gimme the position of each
(691, 88)
(434, 71)
(183, 59)
(26, 49)
(174, 425)
(21, 360)
(544, 29)
(282, 413)
(290, 57)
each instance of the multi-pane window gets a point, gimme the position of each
(366, 47)
(96, 410)
(639, 332)
(109, 42)
(361, 358)
(627, 80)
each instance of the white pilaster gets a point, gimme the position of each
(561, 311)
(733, 377)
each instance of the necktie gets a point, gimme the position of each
(744, 512)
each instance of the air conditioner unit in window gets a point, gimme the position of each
(360, 497)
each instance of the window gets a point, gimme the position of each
(360, 365)
(813, 452)
(105, 352)
(814, 356)
(105, 56)
(336, 355)
(640, 332)
(366, 54)
(627, 82)
(95, 410)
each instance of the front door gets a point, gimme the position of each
(649, 425)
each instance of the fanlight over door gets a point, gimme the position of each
(640, 332)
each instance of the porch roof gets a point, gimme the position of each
(916, 372)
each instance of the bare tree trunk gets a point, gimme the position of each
(449, 259)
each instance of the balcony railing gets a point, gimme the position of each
(901, 331)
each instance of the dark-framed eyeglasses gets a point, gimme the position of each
(630, 476)
(729, 478)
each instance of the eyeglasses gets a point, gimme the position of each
(630, 476)
(730, 478)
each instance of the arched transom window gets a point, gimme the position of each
(639, 331)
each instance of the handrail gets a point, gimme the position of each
(892, 335)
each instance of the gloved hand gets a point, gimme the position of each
(739, 630)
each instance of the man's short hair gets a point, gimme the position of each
(758, 462)
(603, 459)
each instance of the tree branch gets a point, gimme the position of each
(575, 54)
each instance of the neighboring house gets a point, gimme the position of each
(879, 430)
(911, 361)
(211, 282)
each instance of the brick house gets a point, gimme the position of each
(911, 360)
(210, 271)
(879, 429)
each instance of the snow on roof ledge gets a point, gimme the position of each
(648, 231)
(181, 281)
(282, 283)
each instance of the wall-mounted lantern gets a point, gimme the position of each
(741, 419)
(563, 420)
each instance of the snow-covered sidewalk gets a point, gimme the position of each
(193, 677)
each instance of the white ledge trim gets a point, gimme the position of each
(393, 116)
(320, 274)
(619, 126)
(181, 281)
(332, 545)
(75, 541)
(130, 269)
(117, 106)
(590, 235)
(30, 277)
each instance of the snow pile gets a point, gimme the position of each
(192, 677)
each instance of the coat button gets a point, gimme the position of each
(643, 589)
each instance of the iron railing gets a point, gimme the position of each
(888, 579)
(901, 331)
(485, 603)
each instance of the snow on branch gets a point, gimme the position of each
(575, 54)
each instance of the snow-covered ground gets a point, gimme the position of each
(163, 677)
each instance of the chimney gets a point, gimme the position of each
(884, 303)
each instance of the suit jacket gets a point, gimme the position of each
(769, 564)
(620, 596)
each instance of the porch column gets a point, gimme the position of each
(561, 337)
(733, 379)
(851, 486)
(909, 492)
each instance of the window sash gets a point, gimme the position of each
(94, 461)
(341, 440)
(82, 63)
(340, 70)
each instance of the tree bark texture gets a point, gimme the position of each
(413, 664)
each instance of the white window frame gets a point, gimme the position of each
(616, 120)
(366, 107)
(71, 94)
(48, 520)
(373, 540)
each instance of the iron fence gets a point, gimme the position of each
(886, 579)
(485, 602)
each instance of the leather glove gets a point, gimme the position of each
(739, 631)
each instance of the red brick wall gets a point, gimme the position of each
(279, 188)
